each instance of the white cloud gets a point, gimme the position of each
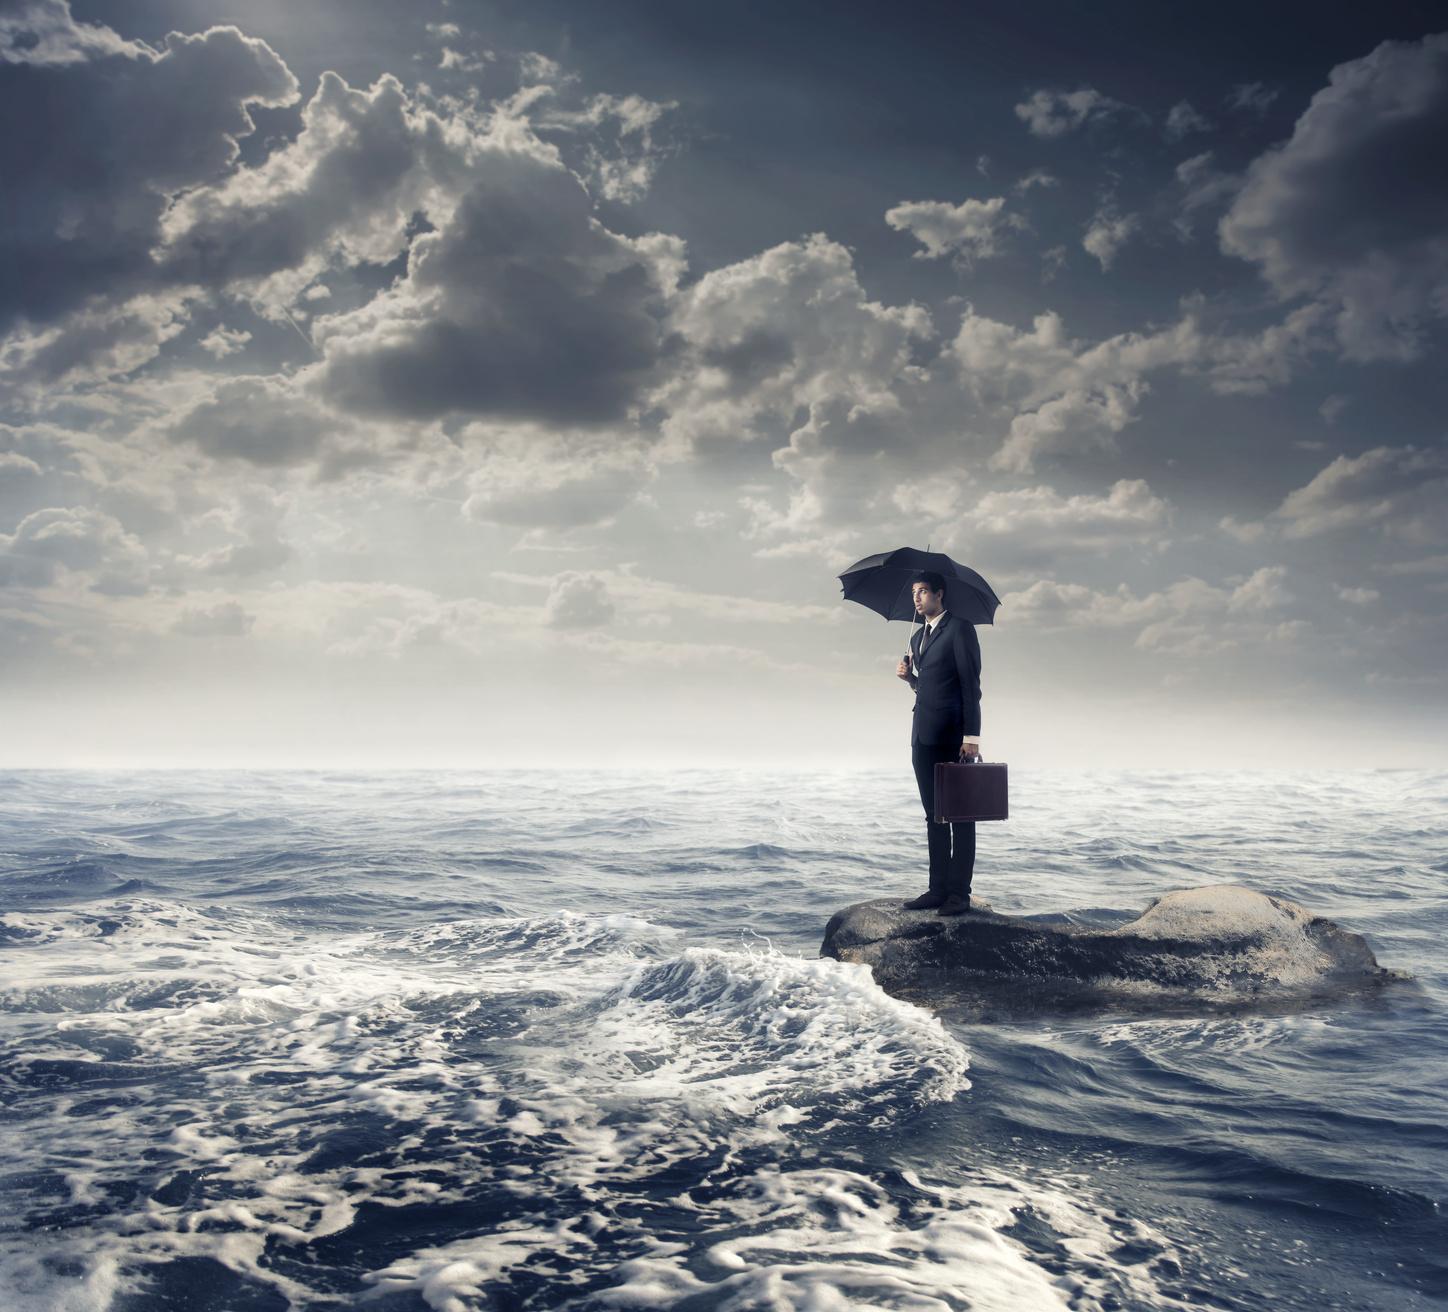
(1107, 234)
(1055, 113)
(1035, 178)
(1057, 395)
(577, 600)
(1400, 491)
(969, 231)
(621, 155)
(1037, 523)
(78, 539)
(1189, 619)
(1244, 532)
(44, 33)
(1264, 590)
(93, 342)
(1183, 120)
(223, 341)
(785, 330)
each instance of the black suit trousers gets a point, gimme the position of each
(952, 846)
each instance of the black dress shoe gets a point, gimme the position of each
(925, 901)
(954, 905)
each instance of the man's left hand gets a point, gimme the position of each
(969, 752)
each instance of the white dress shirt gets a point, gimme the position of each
(930, 629)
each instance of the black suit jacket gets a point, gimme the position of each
(946, 682)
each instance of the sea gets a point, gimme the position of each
(563, 1039)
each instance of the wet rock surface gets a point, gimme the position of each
(1221, 942)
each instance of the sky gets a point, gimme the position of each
(495, 384)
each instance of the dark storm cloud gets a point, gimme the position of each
(108, 144)
(1353, 209)
(520, 306)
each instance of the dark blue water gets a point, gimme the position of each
(447, 1040)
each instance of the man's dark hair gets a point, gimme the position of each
(935, 582)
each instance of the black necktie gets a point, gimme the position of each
(924, 638)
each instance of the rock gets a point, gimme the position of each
(1222, 941)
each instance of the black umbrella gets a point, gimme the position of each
(882, 584)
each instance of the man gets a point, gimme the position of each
(944, 670)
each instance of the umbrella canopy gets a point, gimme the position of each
(882, 584)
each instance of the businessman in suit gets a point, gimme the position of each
(944, 670)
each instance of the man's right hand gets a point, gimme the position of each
(903, 669)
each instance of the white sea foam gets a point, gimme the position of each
(614, 1060)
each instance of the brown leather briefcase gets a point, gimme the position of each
(970, 790)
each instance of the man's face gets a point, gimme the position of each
(926, 601)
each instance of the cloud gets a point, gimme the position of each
(1035, 178)
(261, 420)
(519, 306)
(456, 61)
(1189, 619)
(577, 600)
(1352, 210)
(1244, 532)
(1073, 421)
(1253, 97)
(1039, 524)
(1056, 395)
(44, 34)
(1055, 113)
(89, 212)
(1183, 120)
(1413, 568)
(223, 341)
(16, 468)
(93, 343)
(78, 539)
(620, 155)
(253, 520)
(1203, 185)
(776, 334)
(1400, 491)
(227, 619)
(535, 478)
(969, 231)
(1107, 234)
(1264, 590)
(649, 600)
(345, 190)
